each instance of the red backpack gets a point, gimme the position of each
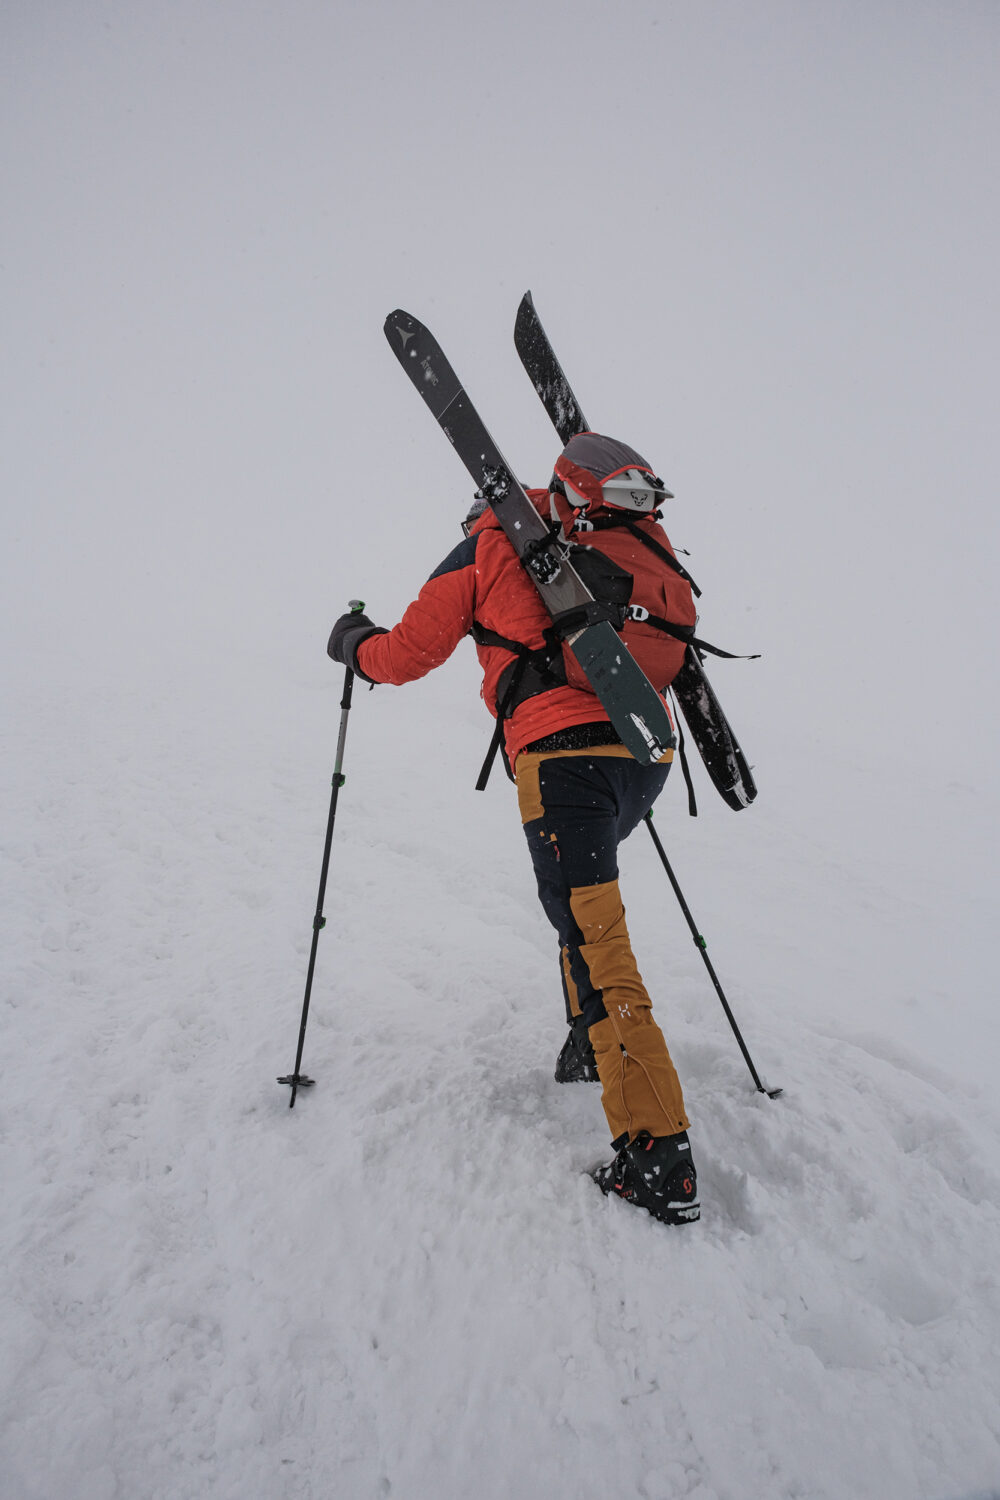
(603, 499)
(629, 562)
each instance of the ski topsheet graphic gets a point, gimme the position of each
(709, 728)
(633, 705)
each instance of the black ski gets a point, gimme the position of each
(709, 728)
(633, 705)
(539, 359)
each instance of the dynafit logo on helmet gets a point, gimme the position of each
(634, 490)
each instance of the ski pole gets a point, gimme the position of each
(298, 1079)
(702, 947)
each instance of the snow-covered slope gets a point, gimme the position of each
(407, 1285)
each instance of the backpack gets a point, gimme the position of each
(650, 594)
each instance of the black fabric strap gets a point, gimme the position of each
(484, 637)
(682, 757)
(605, 523)
(661, 552)
(530, 673)
(686, 633)
(536, 668)
(496, 743)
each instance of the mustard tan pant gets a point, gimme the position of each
(576, 807)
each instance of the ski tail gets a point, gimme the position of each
(712, 733)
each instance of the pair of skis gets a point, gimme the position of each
(636, 710)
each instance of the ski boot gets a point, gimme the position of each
(655, 1173)
(576, 1062)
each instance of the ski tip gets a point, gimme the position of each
(526, 318)
(399, 328)
(398, 315)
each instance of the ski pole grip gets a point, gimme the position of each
(356, 607)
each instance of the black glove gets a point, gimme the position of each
(345, 638)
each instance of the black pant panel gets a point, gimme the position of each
(590, 803)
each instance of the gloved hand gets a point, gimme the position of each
(346, 636)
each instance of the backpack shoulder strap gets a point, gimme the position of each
(485, 637)
(534, 670)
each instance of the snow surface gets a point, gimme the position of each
(407, 1286)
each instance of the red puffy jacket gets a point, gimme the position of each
(482, 582)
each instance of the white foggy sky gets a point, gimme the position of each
(764, 239)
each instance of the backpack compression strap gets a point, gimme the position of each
(635, 612)
(684, 633)
(605, 523)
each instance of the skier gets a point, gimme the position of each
(579, 789)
